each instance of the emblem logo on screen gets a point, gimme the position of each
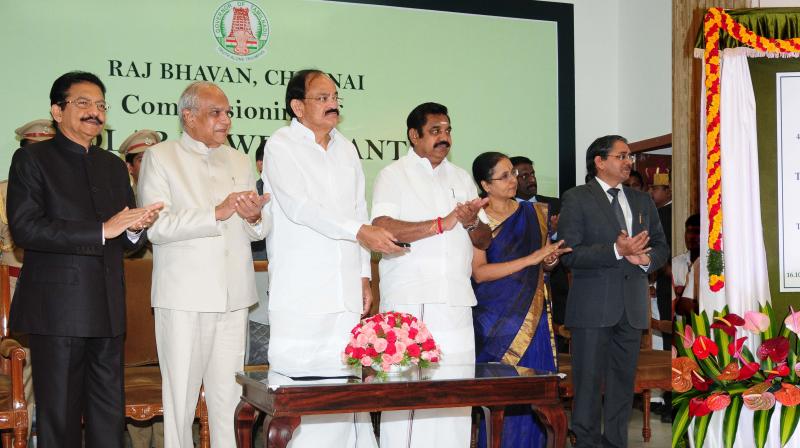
(241, 30)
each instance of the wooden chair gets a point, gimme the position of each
(13, 406)
(142, 374)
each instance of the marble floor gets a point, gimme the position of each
(661, 432)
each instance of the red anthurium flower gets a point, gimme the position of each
(780, 370)
(682, 369)
(748, 370)
(700, 383)
(730, 372)
(703, 347)
(718, 401)
(698, 407)
(728, 323)
(789, 395)
(776, 349)
(735, 348)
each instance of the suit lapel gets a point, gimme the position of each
(601, 197)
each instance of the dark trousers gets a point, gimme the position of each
(78, 378)
(604, 359)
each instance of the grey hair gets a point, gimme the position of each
(189, 98)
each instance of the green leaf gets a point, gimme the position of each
(731, 421)
(761, 426)
(700, 324)
(772, 330)
(789, 418)
(723, 340)
(680, 424)
(700, 429)
(747, 354)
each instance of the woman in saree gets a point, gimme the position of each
(512, 319)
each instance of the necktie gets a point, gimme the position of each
(614, 192)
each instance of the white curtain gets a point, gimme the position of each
(746, 281)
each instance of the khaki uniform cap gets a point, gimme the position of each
(139, 141)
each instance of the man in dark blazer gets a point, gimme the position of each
(616, 240)
(71, 208)
(527, 185)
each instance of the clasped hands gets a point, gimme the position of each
(133, 219)
(465, 213)
(634, 248)
(551, 252)
(246, 204)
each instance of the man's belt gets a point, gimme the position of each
(13, 271)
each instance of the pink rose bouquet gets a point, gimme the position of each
(388, 339)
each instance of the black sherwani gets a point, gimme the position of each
(70, 295)
(607, 308)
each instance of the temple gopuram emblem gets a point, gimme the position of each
(241, 30)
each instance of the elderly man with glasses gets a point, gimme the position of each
(203, 279)
(71, 208)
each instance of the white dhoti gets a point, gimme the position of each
(200, 348)
(313, 344)
(451, 328)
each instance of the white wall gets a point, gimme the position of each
(623, 71)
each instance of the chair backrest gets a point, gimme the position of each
(5, 300)
(140, 340)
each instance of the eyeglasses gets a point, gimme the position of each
(83, 103)
(622, 157)
(525, 176)
(322, 99)
(506, 176)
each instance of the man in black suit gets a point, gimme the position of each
(608, 305)
(71, 208)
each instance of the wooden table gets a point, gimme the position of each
(284, 399)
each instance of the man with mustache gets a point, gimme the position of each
(203, 279)
(616, 240)
(318, 250)
(72, 210)
(426, 201)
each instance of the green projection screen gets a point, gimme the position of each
(504, 69)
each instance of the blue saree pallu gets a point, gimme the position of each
(512, 318)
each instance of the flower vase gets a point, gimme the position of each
(393, 370)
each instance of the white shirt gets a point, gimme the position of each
(681, 267)
(318, 204)
(623, 202)
(436, 269)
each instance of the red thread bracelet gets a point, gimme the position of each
(439, 225)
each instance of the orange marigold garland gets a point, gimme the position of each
(716, 20)
(711, 28)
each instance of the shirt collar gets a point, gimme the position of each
(422, 161)
(193, 145)
(606, 186)
(71, 146)
(305, 133)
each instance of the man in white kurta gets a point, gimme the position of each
(202, 266)
(319, 273)
(425, 200)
